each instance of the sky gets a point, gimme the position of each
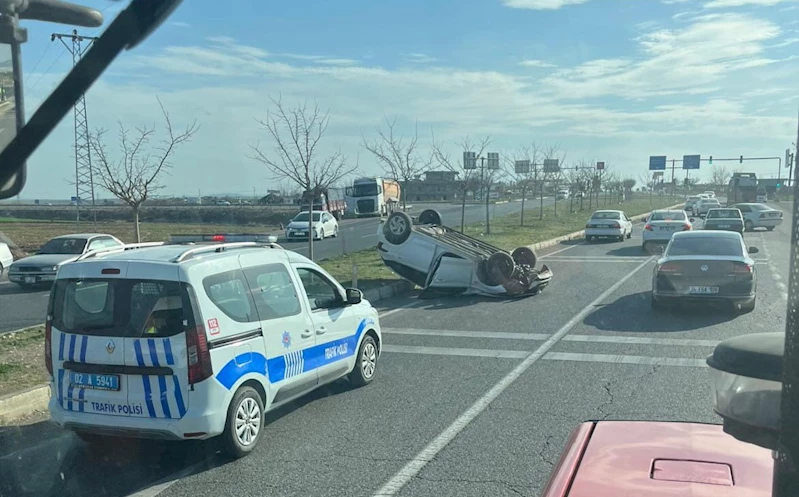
(606, 80)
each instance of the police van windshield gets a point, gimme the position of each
(120, 307)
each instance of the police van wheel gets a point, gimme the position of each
(365, 363)
(245, 421)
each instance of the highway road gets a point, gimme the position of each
(473, 396)
(20, 308)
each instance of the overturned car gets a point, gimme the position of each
(441, 260)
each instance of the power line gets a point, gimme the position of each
(84, 178)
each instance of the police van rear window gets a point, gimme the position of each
(121, 307)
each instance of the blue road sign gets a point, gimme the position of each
(657, 163)
(690, 161)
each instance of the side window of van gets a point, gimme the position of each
(273, 291)
(229, 292)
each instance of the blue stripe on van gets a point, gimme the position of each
(162, 391)
(139, 356)
(179, 397)
(61, 386)
(70, 391)
(168, 351)
(72, 339)
(153, 352)
(61, 341)
(81, 395)
(83, 346)
(148, 396)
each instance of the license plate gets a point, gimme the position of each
(724, 226)
(95, 381)
(667, 228)
(703, 290)
(30, 279)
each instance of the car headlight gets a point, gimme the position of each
(50, 268)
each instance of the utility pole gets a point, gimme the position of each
(84, 177)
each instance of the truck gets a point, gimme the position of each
(331, 200)
(373, 196)
(742, 188)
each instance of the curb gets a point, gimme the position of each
(387, 291)
(580, 234)
(17, 405)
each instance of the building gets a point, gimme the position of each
(436, 186)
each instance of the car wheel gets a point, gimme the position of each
(589, 238)
(397, 227)
(430, 216)
(1, 270)
(645, 247)
(524, 255)
(245, 420)
(321, 234)
(770, 228)
(749, 225)
(630, 234)
(621, 238)
(501, 266)
(365, 364)
(335, 232)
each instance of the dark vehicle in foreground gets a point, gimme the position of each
(441, 260)
(41, 268)
(708, 266)
(725, 219)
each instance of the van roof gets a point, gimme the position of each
(165, 254)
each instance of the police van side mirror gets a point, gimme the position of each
(354, 296)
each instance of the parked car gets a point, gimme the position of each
(608, 224)
(442, 260)
(725, 219)
(563, 195)
(661, 225)
(759, 216)
(6, 259)
(41, 268)
(706, 265)
(324, 225)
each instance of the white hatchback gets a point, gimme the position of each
(608, 224)
(186, 342)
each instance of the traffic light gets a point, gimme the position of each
(741, 160)
(711, 160)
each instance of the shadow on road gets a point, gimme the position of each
(14, 289)
(633, 313)
(628, 251)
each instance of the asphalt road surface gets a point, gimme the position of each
(20, 308)
(473, 396)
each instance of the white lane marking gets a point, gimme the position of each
(562, 250)
(775, 273)
(409, 305)
(412, 468)
(625, 359)
(461, 352)
(507, 335)
(369, 236)
(466, 334)
(617, 260)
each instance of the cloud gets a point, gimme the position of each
(540, 4)
(535, 63)
(419, 58)
(180, 24)
(722, 4)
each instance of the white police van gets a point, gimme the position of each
(177, 341)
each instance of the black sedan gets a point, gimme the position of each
(725, 219)
(708, 266)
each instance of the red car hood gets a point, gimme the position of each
(658, 459)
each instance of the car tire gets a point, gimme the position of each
(243, 409)
(335, 232)
(589, 238)
(645, 247)
(1, 270)
(524, 255)
(322, 234)
(621, 238)
(769, 228)
(365, 363)
(501, 267)
(397, 227)
(430, 216)
(749, 225)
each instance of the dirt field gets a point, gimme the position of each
(22, 360)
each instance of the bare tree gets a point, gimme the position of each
(720, 177)
(135, 176)
(397, 155)
(296, 133)
(527, 178)
(468, 179)
(551, 178)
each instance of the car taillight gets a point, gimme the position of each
(198, 355)
(742, 268)
(762, 215)
(616, 225)
(48, 341)
(648, 227)
(669, 267)
(218, 238)
(687, 227)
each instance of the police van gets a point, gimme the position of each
(192, 340)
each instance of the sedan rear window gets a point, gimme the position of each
(121, 307)
(605, 215)
(761, 207)
(72, 246)
(724, 214)
(706, 245)
(668, 216)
